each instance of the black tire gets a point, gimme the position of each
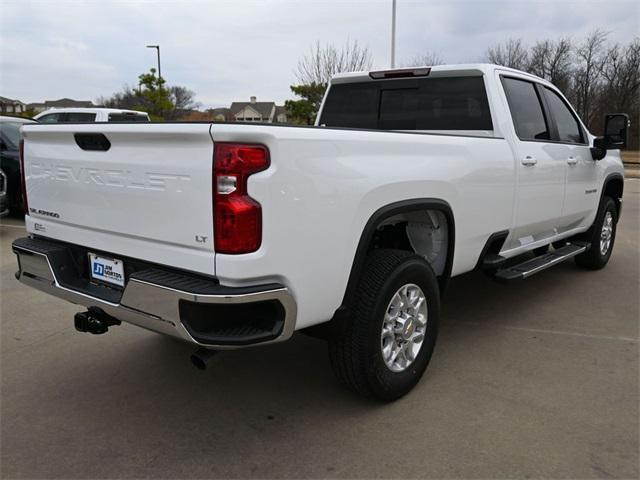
(356, 353)
(594, 258)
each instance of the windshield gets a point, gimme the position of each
(11, 133)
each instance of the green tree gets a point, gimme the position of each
(304, 111)
(155, 97)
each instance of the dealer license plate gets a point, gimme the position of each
(110, 270)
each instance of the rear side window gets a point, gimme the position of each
(526, 110)
(452, 103)
(80, 117)
(127, 117)
(568, 127)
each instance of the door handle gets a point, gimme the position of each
(572, 160)
(529, 161)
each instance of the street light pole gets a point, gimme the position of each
(157, 47)
(393, 34)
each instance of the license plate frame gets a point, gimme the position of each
(106, 270)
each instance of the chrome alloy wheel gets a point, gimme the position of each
(606, 233)
(404, 327)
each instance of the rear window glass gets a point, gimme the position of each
(79, 117)
(452, 103)
(353, 105)
(127, 117)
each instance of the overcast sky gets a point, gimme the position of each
(229, 50)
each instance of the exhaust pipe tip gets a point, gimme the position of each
(198, 362)
(201, 358)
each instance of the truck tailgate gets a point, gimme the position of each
(148, 195)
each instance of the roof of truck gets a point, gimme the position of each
(435, 71)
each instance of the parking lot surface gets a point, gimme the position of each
(536, 379)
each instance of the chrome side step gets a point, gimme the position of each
(542, 262)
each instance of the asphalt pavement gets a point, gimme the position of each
(536, 379)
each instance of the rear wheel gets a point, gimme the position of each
(603, 235)
(386, 346)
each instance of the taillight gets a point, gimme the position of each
(237, 216)
(23, 180)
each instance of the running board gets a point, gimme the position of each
(531, 267)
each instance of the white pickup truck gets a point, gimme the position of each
(95, 114)
(228, 235)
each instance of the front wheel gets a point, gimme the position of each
(602, 237)
(384, 349)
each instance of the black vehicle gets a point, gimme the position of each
(4, 208)
(10, 160)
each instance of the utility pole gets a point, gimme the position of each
(157, 47)
(393, 34)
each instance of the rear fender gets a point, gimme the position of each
(366, 238)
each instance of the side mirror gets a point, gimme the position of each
(616, 130)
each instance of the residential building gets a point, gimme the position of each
(281, 114)
(222, 114)
(254, 111)
(61, 103)
(36, 107)
(11, 106)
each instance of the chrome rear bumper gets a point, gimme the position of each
(152, 299)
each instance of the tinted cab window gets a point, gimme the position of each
(568, 127)
(127, 117)
(451, 103)
(79, 117)
(526, 109)
(351, 105)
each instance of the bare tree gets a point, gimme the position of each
(183, 100)
(324, 61)
(512, 53)
(590, 59)
(621, 86)
(425, 59)
(621, 74)
(552, 61)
